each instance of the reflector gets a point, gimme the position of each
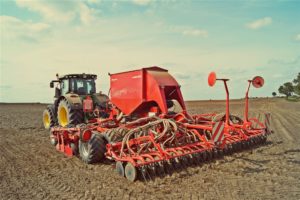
(258, 81)
(86, 135)
(212, 77)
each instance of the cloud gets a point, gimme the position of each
(93, 1)
(257, 24)
(141, 2)
(297, 38)
(5, 87)
(13, 28)
(285, 62)
(195, 32)
(55, 11)
(181, 75)
(184, 30)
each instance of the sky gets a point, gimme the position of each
(237, 39)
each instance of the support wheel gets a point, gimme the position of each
(93, 150)
(53, 140)
(130, 172)
(120, 168)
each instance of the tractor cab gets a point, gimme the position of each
(81, 84)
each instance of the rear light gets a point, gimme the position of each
(86, 135)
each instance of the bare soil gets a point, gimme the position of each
(30, 168)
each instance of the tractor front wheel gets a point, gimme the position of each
(93, 150)
(67, 116)
(49, 118)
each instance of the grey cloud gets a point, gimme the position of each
(5, 87)
(285, 62)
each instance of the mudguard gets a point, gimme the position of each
(100, 100)
(73, 99)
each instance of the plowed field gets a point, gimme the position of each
(30, 168)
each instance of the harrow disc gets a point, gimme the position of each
(221, 152)
(229, 149)
(190, 159)
(120, 168)
(176, 163)
(130, 172)
(168, 167)
(264, 139)
(203, 156)
(244, 145)
(209, 155)
(215, 153)
(159, 169)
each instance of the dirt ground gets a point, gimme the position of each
(30, 168)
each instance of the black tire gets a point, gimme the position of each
(115, 135)
(94, 150)
(67, 116)
(49, 117)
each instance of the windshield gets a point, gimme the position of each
(82, 86)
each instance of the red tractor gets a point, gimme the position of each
(143, 131)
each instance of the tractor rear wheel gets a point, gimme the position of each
(68, 116)
(92, 151)
(49, 118)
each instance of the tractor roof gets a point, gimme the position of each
(82, 76)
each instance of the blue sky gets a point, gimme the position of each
(236, 39)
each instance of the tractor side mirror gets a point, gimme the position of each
(51, 84)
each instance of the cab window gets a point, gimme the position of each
(82, 86)
(64, 86)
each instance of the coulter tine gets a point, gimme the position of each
(230, 149)
(148, 173)
(209, 155)
(143, 173)
(190, 159)
(238, 146)
(169, 167)
(198, 158)
(157, 169)
(183, 162)
(221, 152)
(215, 153)
(203, 156)
(244, 144)
(161, 169)
(177, 164)
(152, 171)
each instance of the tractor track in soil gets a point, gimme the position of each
(30, 168)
